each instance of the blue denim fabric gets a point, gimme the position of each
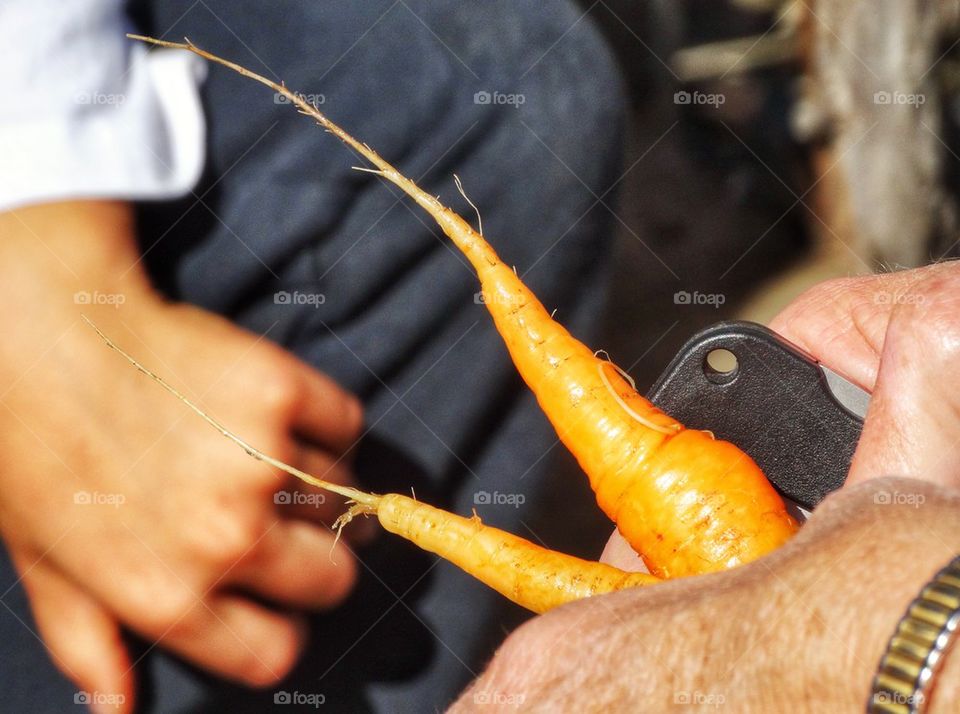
(398, 322)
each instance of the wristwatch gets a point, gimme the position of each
(917, 648)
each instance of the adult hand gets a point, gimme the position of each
(898, 336)
(117, 505)
(790, 630)
(800, 630)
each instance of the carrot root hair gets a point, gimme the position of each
(663, 429)
(354, 509)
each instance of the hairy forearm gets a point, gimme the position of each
(847, 579)
(801, 630)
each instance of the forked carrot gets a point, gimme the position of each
(688, 503)
(531, 576)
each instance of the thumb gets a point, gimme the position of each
(913, 423)
(82, 638)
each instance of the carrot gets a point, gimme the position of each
(531, 576)
(688, 503)
(528, 574)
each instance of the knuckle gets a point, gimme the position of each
(234, 543)
(280, 396)
(279, 391)
(224, 540)
(165, 610)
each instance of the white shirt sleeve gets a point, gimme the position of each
(87, 113)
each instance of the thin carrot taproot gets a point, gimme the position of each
(530, 575)
(687, 502)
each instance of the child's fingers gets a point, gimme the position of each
(295, 499)
(238, 639)
(327, 414)
(83, 640)
(295, 564)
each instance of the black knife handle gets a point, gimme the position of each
(775, 405)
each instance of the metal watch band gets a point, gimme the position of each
(907, 669)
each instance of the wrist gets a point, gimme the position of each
(848, 578)
(913, 673)
(61, 260)
(70, 240)
(918, 539)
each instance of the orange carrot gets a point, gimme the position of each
(685, 501)
(528, 574)
(531, 576)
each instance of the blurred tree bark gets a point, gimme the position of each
(872, 102)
